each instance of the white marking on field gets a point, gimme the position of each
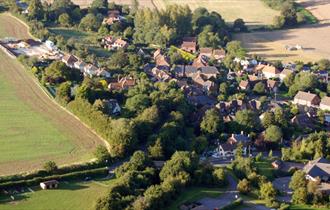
(30, 190)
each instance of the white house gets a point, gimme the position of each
(270, 71)
(229, 148)
(80, 65)
(90, 70)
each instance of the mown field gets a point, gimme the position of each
(33, 128)
(73, 196)
(271, 45)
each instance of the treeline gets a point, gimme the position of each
(172, 24)
(141, 186)
(291, 14)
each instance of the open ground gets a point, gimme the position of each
(34, 129)
(73, 196)
(229, 9)
(313, 38)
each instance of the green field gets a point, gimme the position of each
(25, 134)
(254, 12)
(265, 168)
(33, 128)
(69, 196)
(194, 194)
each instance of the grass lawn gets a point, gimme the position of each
(68, 33)
(73, 196)
(194, 194)
(254, 12)
(265, 168)
(306, 207)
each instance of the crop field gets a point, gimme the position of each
(271, 45)
(253, 12)
(33, 128)
(73, 196)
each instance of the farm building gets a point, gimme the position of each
(51, 184)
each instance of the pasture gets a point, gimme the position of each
(73, 196)
(271, 45)
(34, 129)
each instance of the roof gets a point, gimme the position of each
(270, 69)
(325, 101)
(244, 84)
(209, 70)
(227, 146)
(70, 59)
(49, 182)
(318, 168)
(189, 39)
(301, 95)
(190, 69)
(272, 83)
(205, 50)
(120, 42)
(219, 52)
(286, 72)
(188, 45)
(239, 138)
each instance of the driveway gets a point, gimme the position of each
(226, 198)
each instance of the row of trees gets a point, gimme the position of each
(156, 190)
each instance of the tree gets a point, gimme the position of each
(267, 191)
(207, 38)
(273, 134)
(56, 72)
(100, 4)
(156, 150)
(137, 103)
(102, 154)
(268, 119)
(211, 123)
(299, 196)
(89, 23)
(279, 22)
(35, 9)
(235, 49)
(84, 92)
(50, 167)
(298, 180)
(259, 88)
(219, 176)
(122, 138)
(247, 119)
(64, 19)
(63, 93)
(243, 186)
(239, 25)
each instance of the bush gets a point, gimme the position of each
(233, 204)
(50, 167)
(243, 186)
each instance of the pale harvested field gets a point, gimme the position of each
(33, 128)
(254, 12)
(314, 38)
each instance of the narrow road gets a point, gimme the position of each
(226, 198)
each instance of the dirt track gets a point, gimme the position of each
(27, 89)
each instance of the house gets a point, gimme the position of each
(325, 103)
(219, 54)
(244, 85)
(122, 84)
(161, 60)
(69, 60)
(209, 71)
(229, 148)
(51, 184)
(318, 169)
(305, 121)
(285, 73)
(306, 99)
(160, 74)
(270, 71)
(111, 106)
(189, 44)
(206, 51)
(205, 84)
(272, 85)
(102, 73)
(113, 16)
(200, 61)
(119, 43)
(80, 65)
(277, 164)
(90, 70)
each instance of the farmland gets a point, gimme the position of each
(73, 196)
(34, 129)
(271, 45)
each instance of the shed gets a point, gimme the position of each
(51, 184)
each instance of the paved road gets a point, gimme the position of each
(224, 199)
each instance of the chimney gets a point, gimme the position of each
(242, 132)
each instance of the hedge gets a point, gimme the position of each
(59, 177)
